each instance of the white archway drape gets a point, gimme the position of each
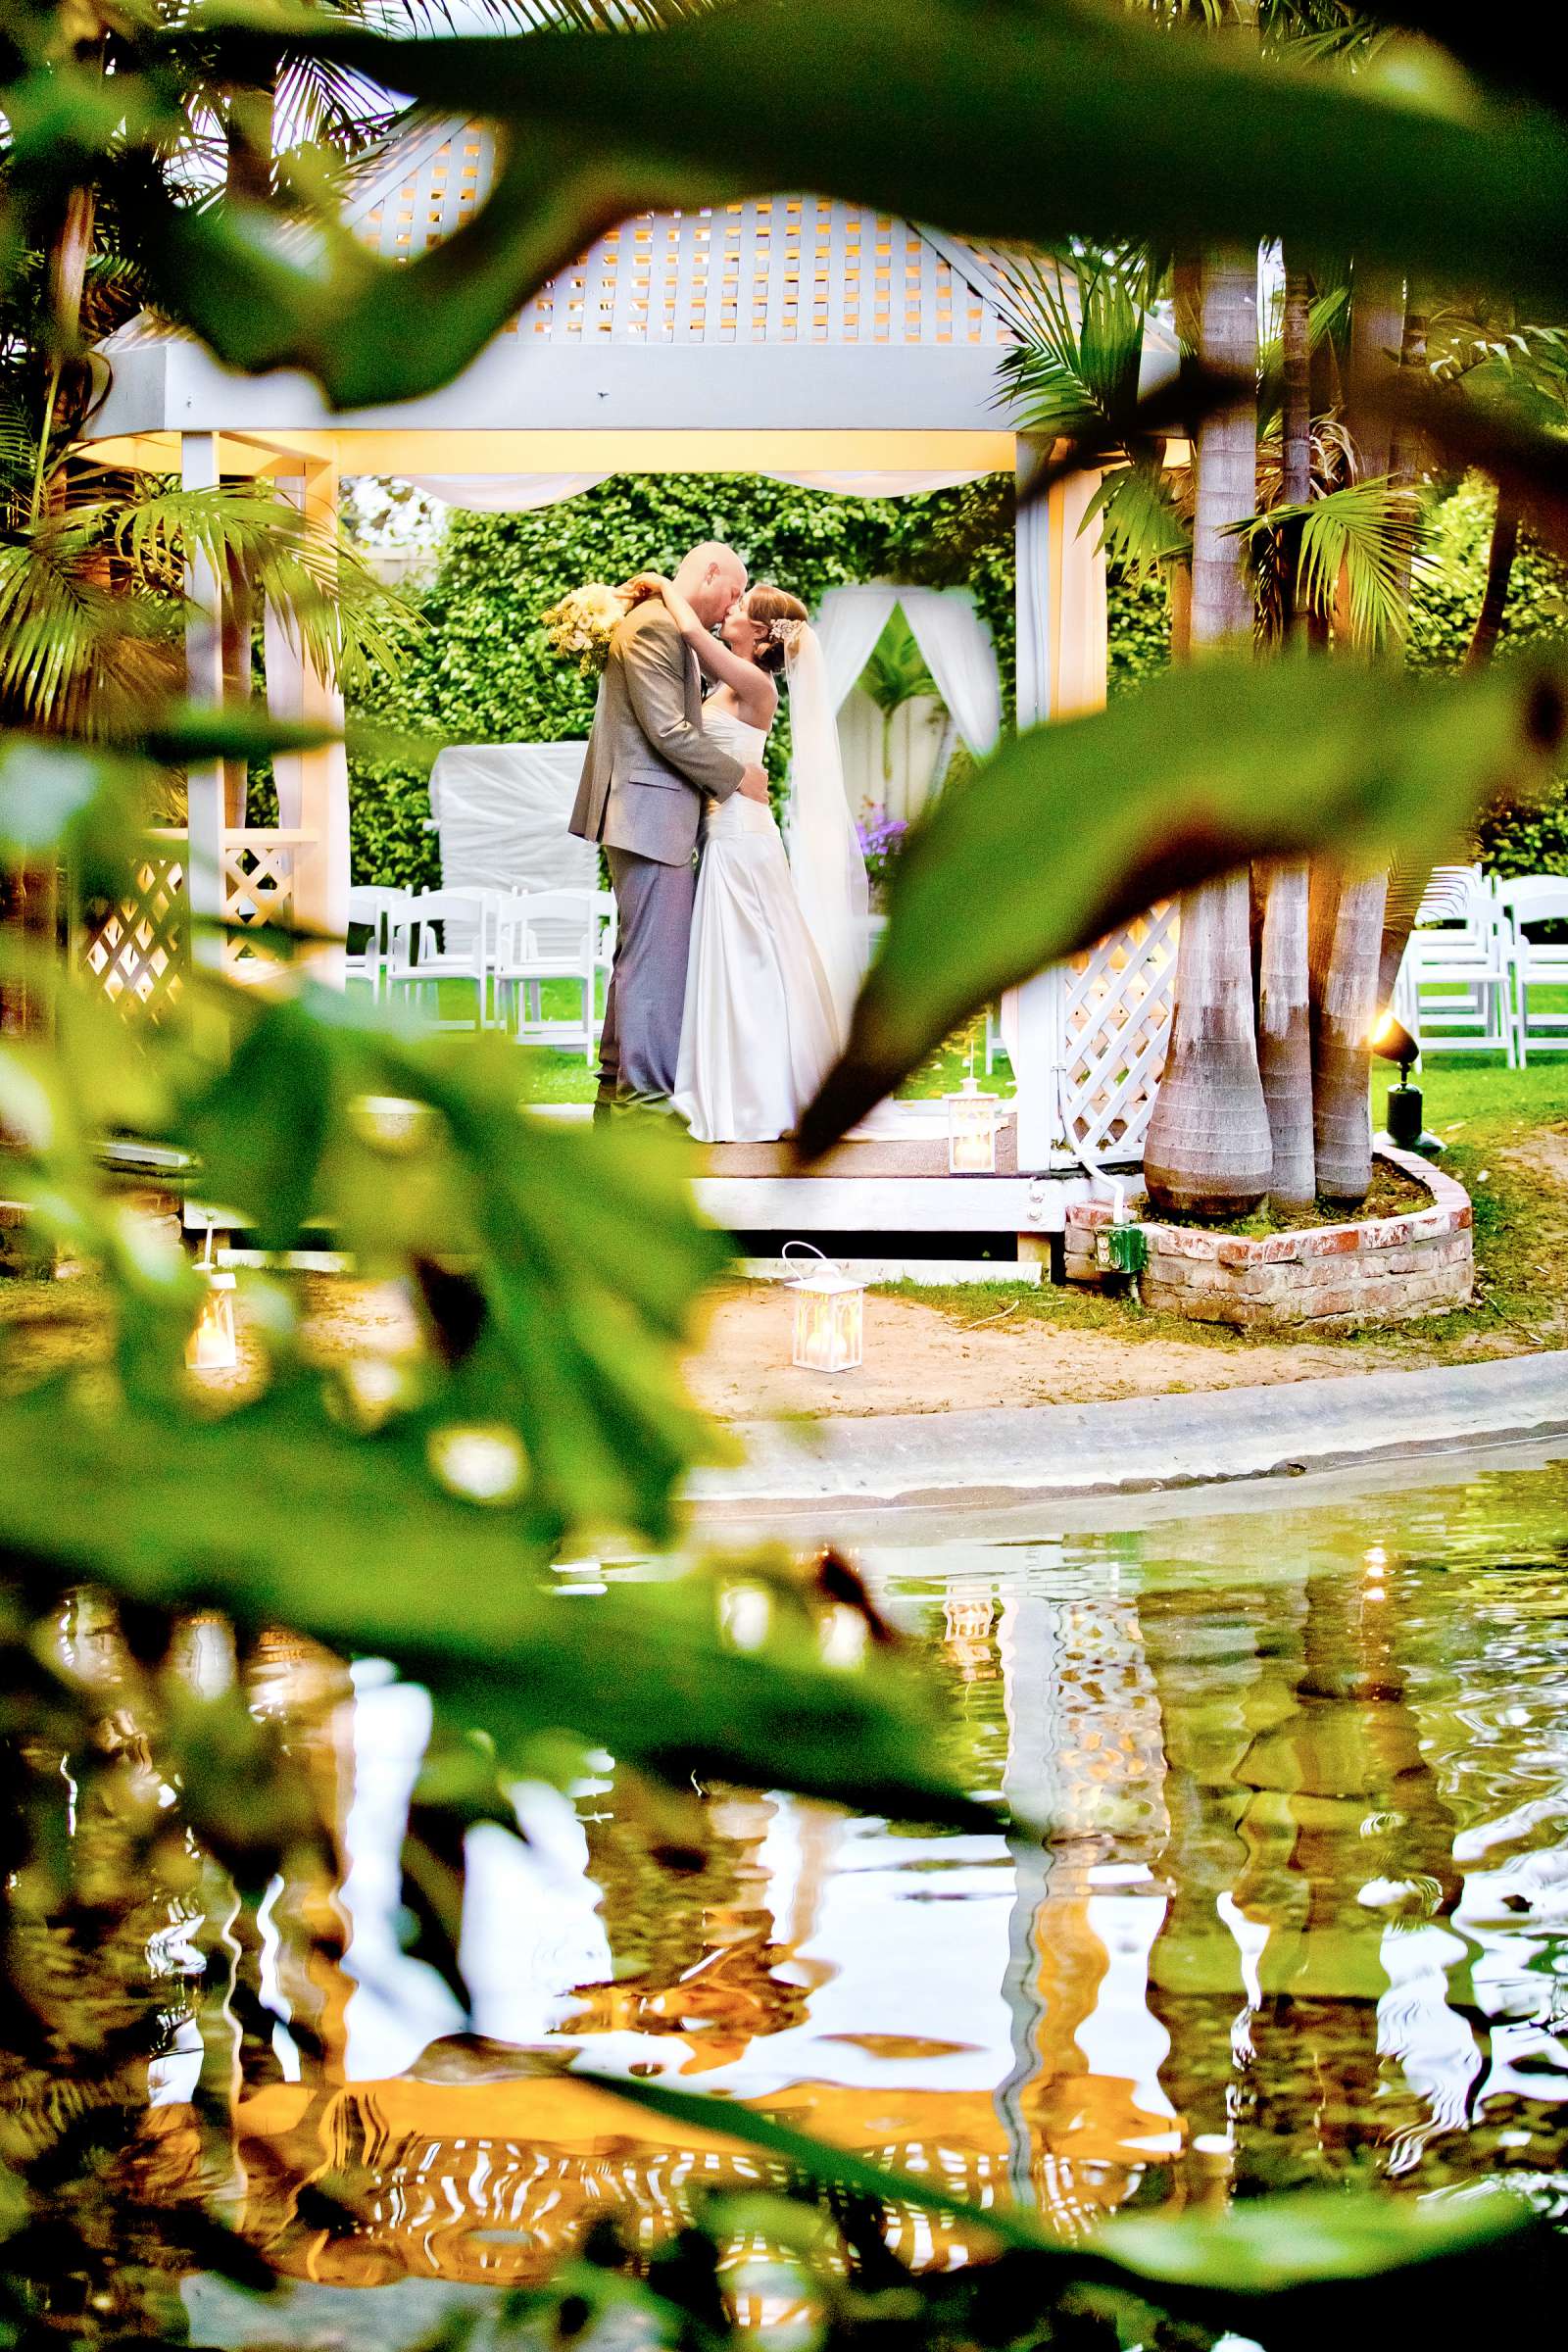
(953, 639)
(517, 493)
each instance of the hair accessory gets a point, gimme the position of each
(786, 634)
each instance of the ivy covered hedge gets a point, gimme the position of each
(1446, 598)
(482, 674)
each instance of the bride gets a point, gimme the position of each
(776, 957)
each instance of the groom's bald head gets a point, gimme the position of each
(711, 578)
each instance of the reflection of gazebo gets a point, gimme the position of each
(794, 336)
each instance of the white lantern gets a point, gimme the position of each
(829, 1316)
(211, 1345)
(971, 1131)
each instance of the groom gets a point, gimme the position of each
(648, 769)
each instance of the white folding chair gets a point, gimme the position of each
(1455, 968)
(1526, 902)
(373, 907)
(551, 935)
(442, 935)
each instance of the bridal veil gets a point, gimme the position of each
(825, 854)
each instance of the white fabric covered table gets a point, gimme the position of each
(501, 812)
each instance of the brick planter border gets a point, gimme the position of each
(1329, 1277)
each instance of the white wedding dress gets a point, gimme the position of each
(760, 1029)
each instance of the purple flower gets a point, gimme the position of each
(881, 838)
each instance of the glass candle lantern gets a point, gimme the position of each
(971, 1131)
(211, 1345)
(829, 1318)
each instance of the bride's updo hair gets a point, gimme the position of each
(782, 616)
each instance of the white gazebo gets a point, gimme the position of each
(810, 339)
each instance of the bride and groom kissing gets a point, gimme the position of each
(733, 975)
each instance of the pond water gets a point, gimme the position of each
(1302, 1915)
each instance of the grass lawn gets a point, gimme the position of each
(1505, 1134)
(552, 1077)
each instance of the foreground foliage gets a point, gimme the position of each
(555, 1277)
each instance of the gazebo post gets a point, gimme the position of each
(206, 881)
(312, 787)
(1037, 1038)
(1062, 659)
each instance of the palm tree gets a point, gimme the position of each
(895, 676)
(1283, 987)
(92, 587)
(1209, 1149)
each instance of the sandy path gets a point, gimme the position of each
(926, 1359)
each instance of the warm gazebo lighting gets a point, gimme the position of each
(211, 1345)
(971, 1131)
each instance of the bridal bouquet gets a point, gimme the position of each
(579, 628)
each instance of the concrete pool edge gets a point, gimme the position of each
(1143, 1444)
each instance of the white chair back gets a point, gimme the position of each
(1528, 901)
(552, 935)
(1454, 983)
(442, 935)
(373, 907)
(1535, 899)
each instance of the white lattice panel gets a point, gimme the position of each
(1115, 1020)
(259, 874)
(771, 270)
(137, 946)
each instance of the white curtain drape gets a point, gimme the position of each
(948, 629)
(946, 624)
(515, 493)
(504, 492)
(847, 624)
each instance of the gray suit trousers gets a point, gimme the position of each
(641, 1040)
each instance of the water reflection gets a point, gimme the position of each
(1303, 1916)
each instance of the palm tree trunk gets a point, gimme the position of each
(238, 606)
(1209, 1149)
(1346, 920)
(1295, 419)
(1347, 928)
(1285, 1035)
(1284, 993)
(1500, 553)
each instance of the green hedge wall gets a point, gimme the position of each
(482, 674)
(1514, 838)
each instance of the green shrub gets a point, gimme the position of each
(1139, 631)
(484, 674)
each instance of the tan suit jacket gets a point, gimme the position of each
(649, 767)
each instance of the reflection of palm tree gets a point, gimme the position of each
(1294, 1790)
(1208, 1652)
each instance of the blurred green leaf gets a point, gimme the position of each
(820, 2159)
(570, 1259)
(61, 799)
(1092, 124)
(1203, 769)
(275, 1516)
(1273, 2246)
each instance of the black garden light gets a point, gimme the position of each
(1393, 1042)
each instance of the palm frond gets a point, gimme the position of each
(1142, 529)
(1355, 551)
(1076, 375)
(94, 599)
(72, 651)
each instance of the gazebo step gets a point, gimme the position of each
(917, 1148)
